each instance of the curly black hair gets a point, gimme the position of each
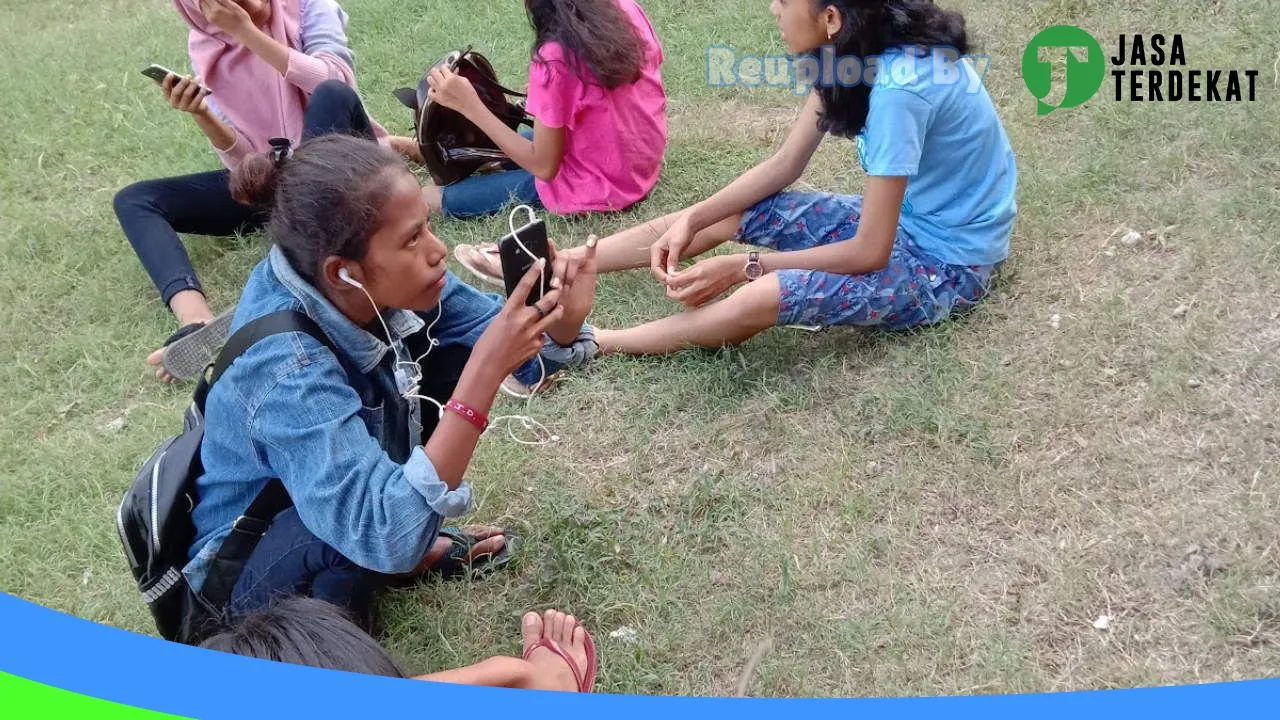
(869, 27)
(596, 35)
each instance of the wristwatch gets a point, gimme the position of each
(753, 268)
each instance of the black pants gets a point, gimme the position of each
(153, 212)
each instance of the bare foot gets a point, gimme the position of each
(551, 672)
(155, 360)
(407, 147)
(606, 341)
(433, 198)
(530, 631)
(491, 543)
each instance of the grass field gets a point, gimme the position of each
(949, 511)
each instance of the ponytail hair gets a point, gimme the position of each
(254, 181)
(324, 198)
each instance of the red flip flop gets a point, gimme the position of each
(585, 682)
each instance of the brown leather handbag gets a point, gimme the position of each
(452, 146)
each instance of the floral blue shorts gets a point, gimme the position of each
(914, 289)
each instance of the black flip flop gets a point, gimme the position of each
(455, 564)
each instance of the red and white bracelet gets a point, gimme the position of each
(468, 413)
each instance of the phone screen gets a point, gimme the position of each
(516, 261)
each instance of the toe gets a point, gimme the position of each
(482, 532)
(530, 630)
(488, 546)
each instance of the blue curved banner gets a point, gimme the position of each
(82, 657)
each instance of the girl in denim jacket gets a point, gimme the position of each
(372, 466)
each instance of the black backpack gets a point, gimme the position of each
(452, 146)
(154, 520)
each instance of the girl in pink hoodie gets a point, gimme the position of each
(263, 69)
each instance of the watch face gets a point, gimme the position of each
(754, 270)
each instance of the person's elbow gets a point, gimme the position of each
(397, 558)
(546, 169)
(878, 255)
(871, 254)
(785, 168)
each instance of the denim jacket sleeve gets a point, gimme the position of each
(381, 515)
(465, 313)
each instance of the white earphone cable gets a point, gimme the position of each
(415, 368)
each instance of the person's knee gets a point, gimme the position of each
(752, 308)
(335, 92)
(761, 295)
(133, 198)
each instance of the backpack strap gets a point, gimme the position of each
(229, 562)
(281, 321)
(482, 64)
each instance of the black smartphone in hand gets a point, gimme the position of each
(518, 252)
(160, 72)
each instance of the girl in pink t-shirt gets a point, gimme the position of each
(600, 130)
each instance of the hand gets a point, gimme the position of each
(516, 333)
(227, 15)
(664, 255)
(185, 94)
(706, 280)
(452, 90)
(574, 274)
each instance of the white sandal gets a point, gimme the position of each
(461, 253)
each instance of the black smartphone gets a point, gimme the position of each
(519, 251)
(160, 72)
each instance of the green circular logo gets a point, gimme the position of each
(1085, 67)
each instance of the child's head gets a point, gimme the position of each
(862, 28)
(344, 207)
(596, 35)
(304, 631)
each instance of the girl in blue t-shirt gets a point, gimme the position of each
(919, 245)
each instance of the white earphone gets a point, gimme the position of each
(414, 368)
(345, 275)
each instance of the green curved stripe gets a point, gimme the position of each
(21, 699)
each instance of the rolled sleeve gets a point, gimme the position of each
(234, 155)
(421, 475)
(554, 356)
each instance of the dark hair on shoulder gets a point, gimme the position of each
(596, 35)
(305, 631)
(869, 27)
(323, 200)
